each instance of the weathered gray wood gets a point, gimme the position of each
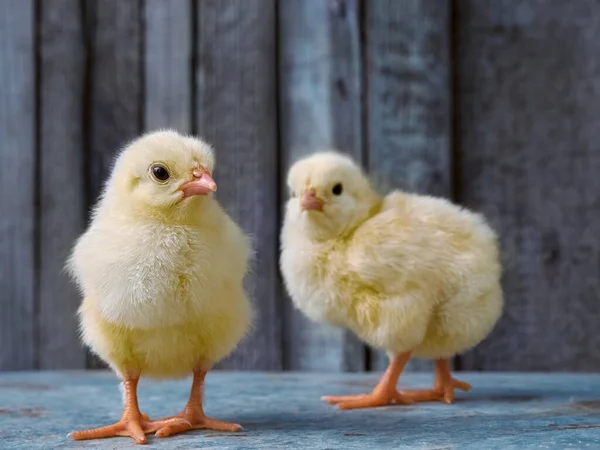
(236, 88)
(17, 186)
(168, 59)
(61, 178)
(284, 411)
(115, 108)
(320, 107)
(407, 55)
(115, 85)
(529, 158)
(526, 157)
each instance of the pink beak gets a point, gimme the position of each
(202, 184)
(310, 201)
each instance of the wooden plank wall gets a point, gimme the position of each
(18, 187)
(493, 103)
(528, 93)
(62, 176)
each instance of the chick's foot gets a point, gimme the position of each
(193, 414)
(133, 423)
(134, 427)
(371, 400)
(194, 419)
(443, 393)
(384, 393)
(443, 389)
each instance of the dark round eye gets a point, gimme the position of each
(337, 189)
(160, 172)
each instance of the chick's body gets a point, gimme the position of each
(420, 275)
(161, 271)
(412, 275)
(162, 299)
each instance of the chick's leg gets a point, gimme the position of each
(443, 388)
(194, 414)
(133, 423)
(384, 393)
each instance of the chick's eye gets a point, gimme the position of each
(159, 172)
(337, 189)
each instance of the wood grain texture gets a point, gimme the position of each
(17, 186)
(115, 86)
(168, 59)
(407, 55)
(236, 88)
(503, 411)
(320, 107)
(370, 77)
(529, 85)
(61, 178)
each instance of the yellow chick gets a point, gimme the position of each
(160, 269)
(412, 275)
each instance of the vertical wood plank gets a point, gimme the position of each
(408, 102)
(320, 107)
(61, 178)
(115, 90)
(529, 158)
(17, 185)
(236, 88)
(168, 57)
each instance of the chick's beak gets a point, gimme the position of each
(202, 184)
(310, 201)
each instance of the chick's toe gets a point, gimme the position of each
(443, 389)
(371, 400)
(196, 420)
(193, 414)
(134, 427)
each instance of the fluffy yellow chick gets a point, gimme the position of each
(160, 269)
(413, 275)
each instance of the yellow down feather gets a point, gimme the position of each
(405, 272)
(161, 275)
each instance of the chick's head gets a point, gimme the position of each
(329, 194)
(162, 171)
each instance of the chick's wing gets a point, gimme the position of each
(407, 246)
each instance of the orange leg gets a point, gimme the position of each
(384, 393)
(133, 423)
(443, 388)
(193, 414)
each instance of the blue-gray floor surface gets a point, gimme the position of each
(284, 411)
